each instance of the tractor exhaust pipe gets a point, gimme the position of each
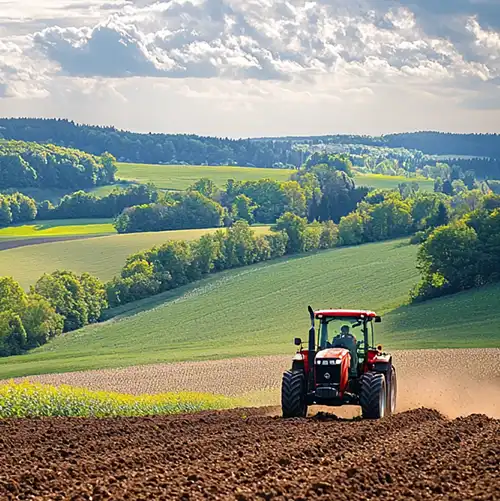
(311, 347)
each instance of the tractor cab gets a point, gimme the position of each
(340, 366)
(351, 330)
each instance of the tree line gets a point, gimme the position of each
(26, 165)
(258, 152)
(18, 208)
(81, 204)
(319, 192)
(151, 148)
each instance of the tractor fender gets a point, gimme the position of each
(382, 363)
(300, 361)
(382, 358)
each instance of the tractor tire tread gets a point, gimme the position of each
(371, 385)
(292, 394)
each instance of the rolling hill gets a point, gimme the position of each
(258, 310)
(101, 256)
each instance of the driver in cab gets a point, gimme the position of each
(347, 340)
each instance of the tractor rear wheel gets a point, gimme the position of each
(373, 395)
(392, 392)
(293, 395)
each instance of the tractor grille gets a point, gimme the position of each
(326, 393)
(333, 370)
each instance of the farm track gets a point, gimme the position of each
(251, 454)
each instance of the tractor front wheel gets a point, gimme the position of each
(293, 395)
(373, 395)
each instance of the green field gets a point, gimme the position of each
(100, 256)
(380, 181)
(59, 228)
(259, 309)
(55, 194)
(179, 177)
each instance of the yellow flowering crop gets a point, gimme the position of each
(38, 400)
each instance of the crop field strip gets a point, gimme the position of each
(248, 454)
(101, 256)
(39, 400)
(258, 310)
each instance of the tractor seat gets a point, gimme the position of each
(349, 343)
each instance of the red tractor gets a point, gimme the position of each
(341, 372)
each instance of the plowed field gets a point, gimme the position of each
(251, 454)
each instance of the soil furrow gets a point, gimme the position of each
(251, 454)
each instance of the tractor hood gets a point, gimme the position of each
(339, 353)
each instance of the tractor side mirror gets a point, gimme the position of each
(378, 319)
(297, 341)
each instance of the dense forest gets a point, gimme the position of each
(259, 152)
(28, 164)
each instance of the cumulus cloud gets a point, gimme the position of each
(331, 50)
(266, 40)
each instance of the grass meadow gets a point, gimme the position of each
(59, 228)
(381, 181)
(101, 256)
(180, 177)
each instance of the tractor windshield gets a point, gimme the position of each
(332, 327)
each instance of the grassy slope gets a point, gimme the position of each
(55, 194)
(59, 228)
(100, 256)
(469, 319)
(258, 310)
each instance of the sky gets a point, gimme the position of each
(247, 68)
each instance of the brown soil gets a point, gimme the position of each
(251, 454)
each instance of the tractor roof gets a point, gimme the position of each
(345, 313)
